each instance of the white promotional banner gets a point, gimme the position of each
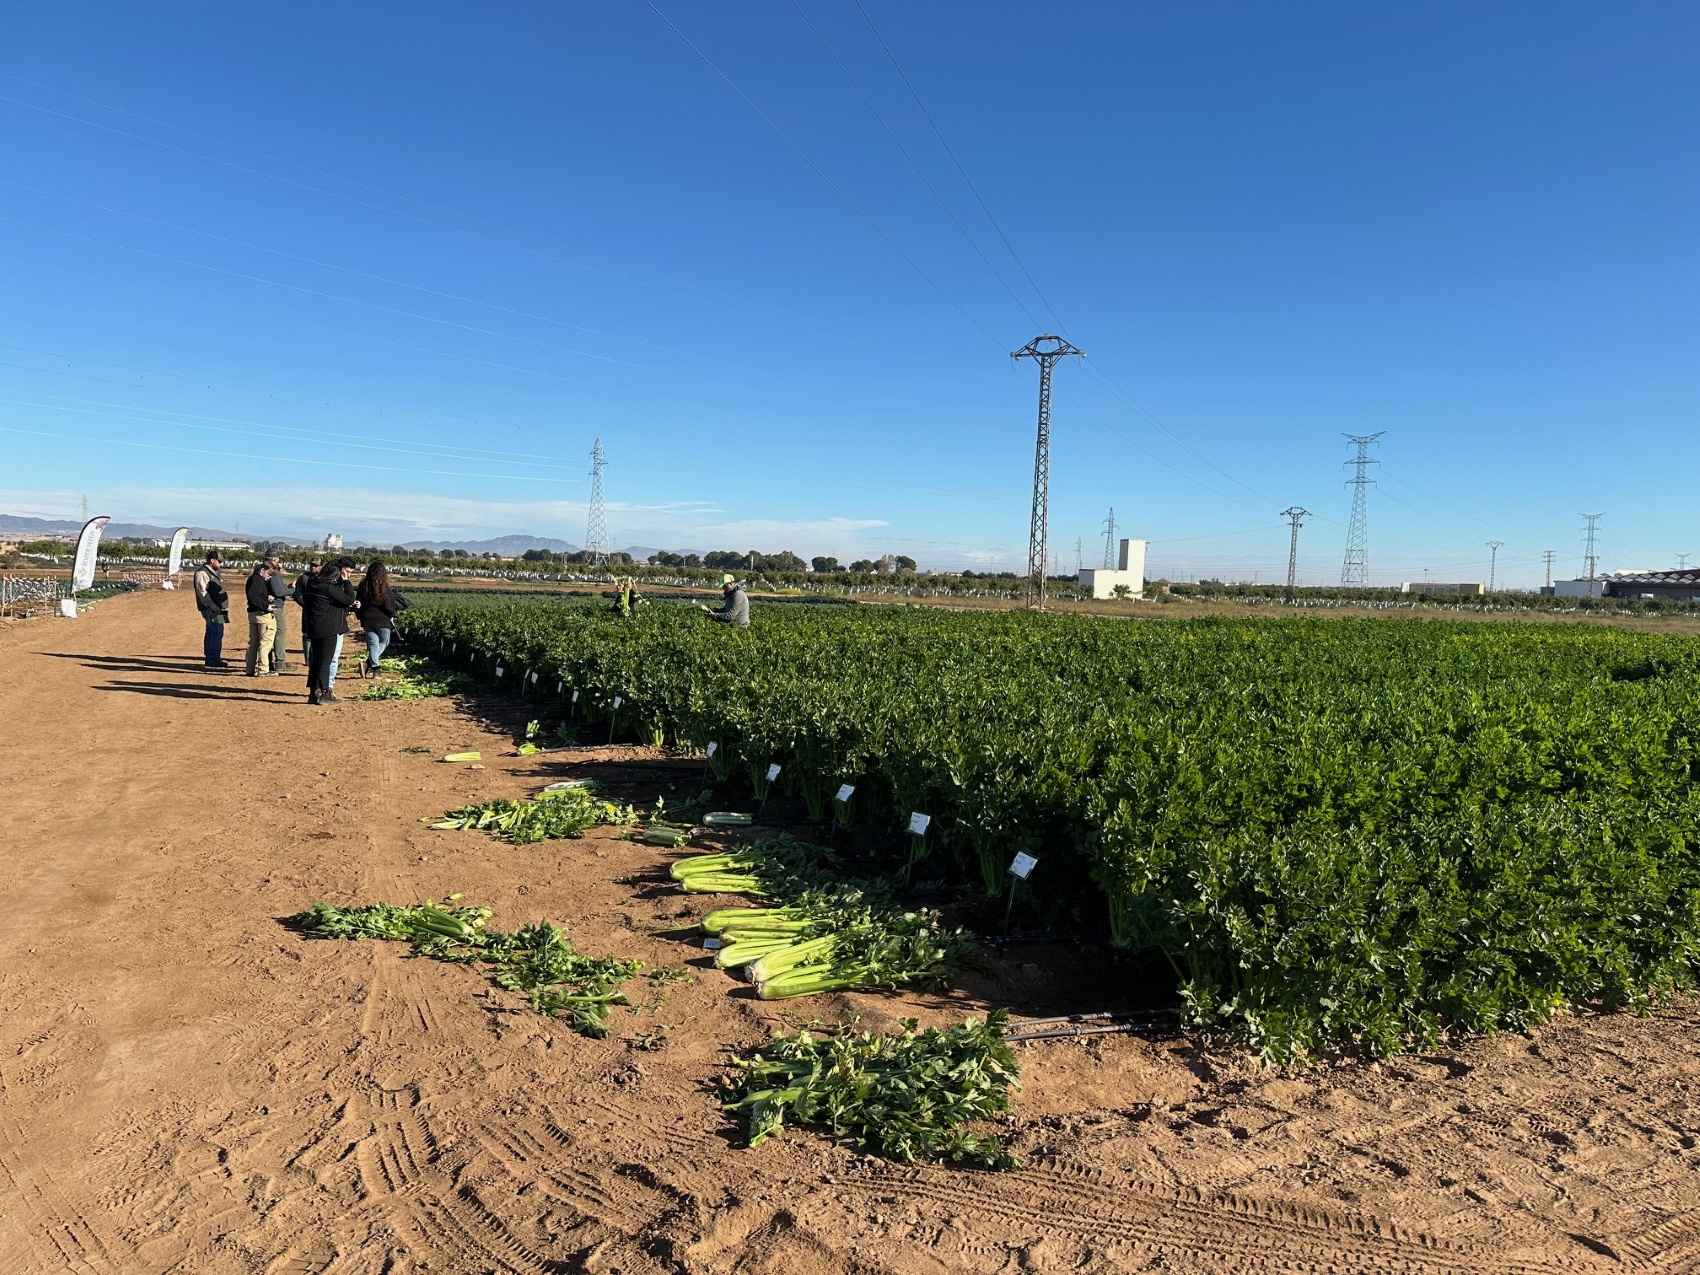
(88, 544)
(174, 559)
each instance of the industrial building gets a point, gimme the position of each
(1129, 571)
(1677, 586)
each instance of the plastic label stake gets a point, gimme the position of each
(845, 792)
(773, 772)
(918, 823)
(1019, 868)
(614, 716)
(498, 670)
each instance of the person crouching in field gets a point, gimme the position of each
(734, 608)
(380, 603)
(214, 605)
(329, 599)
(262, 623)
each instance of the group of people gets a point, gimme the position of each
(326, 598)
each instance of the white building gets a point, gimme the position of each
(1129, 571)
(333, 542)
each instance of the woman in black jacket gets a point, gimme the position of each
(328, 600)
(379, 606)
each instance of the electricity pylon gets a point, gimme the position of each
(1547, 556)
(1293, 514)
(596, 531)
(1045, 355)
(1110, 540)
(1588, 554)
(1493, 547)
(1354, 571)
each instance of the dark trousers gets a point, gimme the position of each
(212, 644)
(320, 652)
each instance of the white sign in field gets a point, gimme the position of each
(1021, 865)
(918, 823)
(88, 546)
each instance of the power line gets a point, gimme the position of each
(968, 181)
(919, 172)
(819, 172)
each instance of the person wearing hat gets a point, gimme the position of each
(736, 607)
(213, 602)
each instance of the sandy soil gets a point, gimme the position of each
(188, 1085)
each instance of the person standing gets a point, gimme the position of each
(214, 604)
(380, 603)
(329, 599)
(262, 624)
(279, 655)
(299, 595)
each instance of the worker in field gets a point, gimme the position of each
(299, 595)
(626, 599)
(329, 599)
(214, 604)
(735, 609)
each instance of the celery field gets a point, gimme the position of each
(1337, 833)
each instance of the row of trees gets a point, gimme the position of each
(784, 561)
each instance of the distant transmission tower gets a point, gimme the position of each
(1293, 514)
(1682, 561)
(1354, 571)
(1547, 557)
(1588, 554)
(1493, 547)
(1079, 561)
(85, 508)
(1110, 540)
(1045, 355)
(596, 532)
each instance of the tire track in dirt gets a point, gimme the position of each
(1240, 1233)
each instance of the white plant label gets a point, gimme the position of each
(534, 679)
(1021, 865)
(559, 687)
(713, 747)
(845, 792)
(918, 823)
(773, 772)
(711, 945)
(498, 670)
(575, 697)
(618, 701)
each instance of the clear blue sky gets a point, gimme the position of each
(390, 269)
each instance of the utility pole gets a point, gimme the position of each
(1588, 554)
(1045, 355)
(1110, 540)
(1293, 514)
(1354, 571)
(1547, 557)
(1493, 546)
(596, 530)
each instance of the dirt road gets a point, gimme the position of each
(188, 1085)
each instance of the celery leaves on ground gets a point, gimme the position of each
(909, 1094)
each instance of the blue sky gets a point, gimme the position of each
(389, 270)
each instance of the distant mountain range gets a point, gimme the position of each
(507, 546)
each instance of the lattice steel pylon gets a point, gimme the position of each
(1493, 548)
(1591, 557)
(1045, 355)
(1293, 514)
(1547, 555)
(1110, 540)
(596, 530)
(1354, 571)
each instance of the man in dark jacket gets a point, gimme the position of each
(329, 599)
(299, 595)
(279, 654)
(214, 604)
(262, 625)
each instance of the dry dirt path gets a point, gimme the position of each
(187, 1085)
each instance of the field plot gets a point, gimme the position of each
(187, 1083)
